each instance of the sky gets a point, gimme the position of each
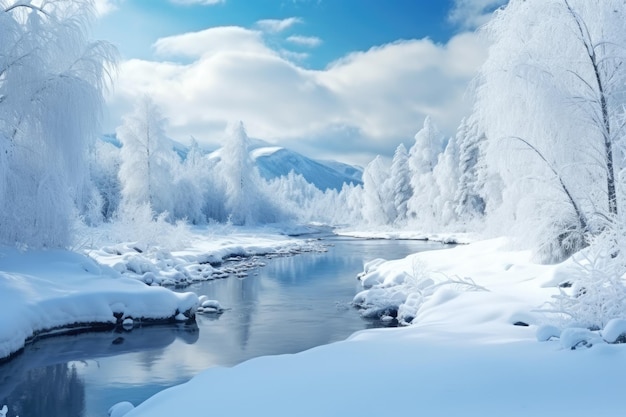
(332, 79)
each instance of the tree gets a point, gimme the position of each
(246, 199)
(446, 176)
(52, 80)
(378, 204)
(550, 99)
(147, 158)
(423, 158)
(470, 202)
(400, 183)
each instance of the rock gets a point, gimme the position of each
(128, 323)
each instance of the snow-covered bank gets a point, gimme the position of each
(205, 251)
(397, 234)
(467, 352)
(43, 292)
(53, 291)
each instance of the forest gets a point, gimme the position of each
(540, 158)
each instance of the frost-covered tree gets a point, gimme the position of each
(550, 100)
(446, 175)
(469, 198)
(147, 158)
(52, 79)
(400, 183)
(198, 195)
(104, 168)
(246, 199)
(423, 157)
(378, 203)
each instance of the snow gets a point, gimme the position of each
(466, 352)
(51, 290)
(390, 233)
(120, 409)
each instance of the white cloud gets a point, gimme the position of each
(277, 25)
(212, 41)
(365, 103)
(308, 41)
(199, 2)
(470, 14)
(104, 7)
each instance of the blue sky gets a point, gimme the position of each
(340, 79)
(341, 26)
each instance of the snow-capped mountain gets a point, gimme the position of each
(274, 162)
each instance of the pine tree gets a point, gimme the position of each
(400, 183)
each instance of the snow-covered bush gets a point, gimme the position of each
(138, 223)
(595, 292)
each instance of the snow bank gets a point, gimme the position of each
(471, 350)
(48, 291)
(395, 234)
(204, 256)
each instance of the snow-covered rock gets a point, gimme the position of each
(577, 337)
(615, 331)
(120, 409)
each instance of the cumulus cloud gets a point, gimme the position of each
(212, 41)
(277, 25)
(470, 14)
(367, 101)
(308, 41)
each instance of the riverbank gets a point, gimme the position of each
(472, 350)
(51, 292)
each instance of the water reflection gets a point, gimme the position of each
(47, 379)
(292, 304)
(53, 391)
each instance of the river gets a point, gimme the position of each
(290, 305)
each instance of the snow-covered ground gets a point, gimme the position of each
(391, 233)
(48, 291)
(466, 353)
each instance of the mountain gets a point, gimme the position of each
(274, 162)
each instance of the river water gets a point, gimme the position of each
(290, 305)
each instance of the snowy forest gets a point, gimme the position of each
(541, 156)
(476, 243)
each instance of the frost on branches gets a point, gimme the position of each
(550, 101)
(52, 79)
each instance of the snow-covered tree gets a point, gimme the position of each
(52, 79)
(400, 183)
(246, 199)
(378, 203)
(147, 158)
(423, 157)
(469, 199)
(550, 100)
(446, 175)
(104, 168)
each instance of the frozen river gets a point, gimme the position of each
(290, 305)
